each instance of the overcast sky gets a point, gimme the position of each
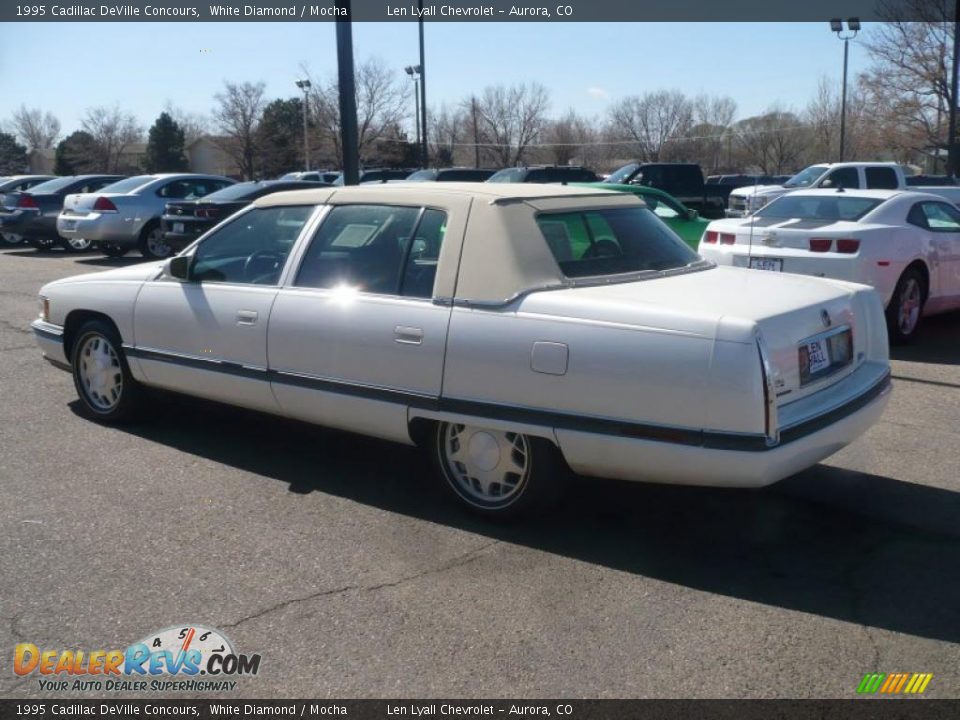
(67, 67)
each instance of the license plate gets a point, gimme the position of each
(820, 356)
(178, 227)
(774, 264)
(69, 224)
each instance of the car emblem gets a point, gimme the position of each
(770, 239)
(825, 318)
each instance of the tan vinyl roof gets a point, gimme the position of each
(494, 250)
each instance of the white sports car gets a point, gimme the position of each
(506, 328)
(905, 244)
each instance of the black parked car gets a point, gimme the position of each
(451, 175)
(184, 221)
(15, 183)
(33, 214)
(545, 174)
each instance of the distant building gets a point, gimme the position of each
(206, 155)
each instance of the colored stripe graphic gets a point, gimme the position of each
(894, 683)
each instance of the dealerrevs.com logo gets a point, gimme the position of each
(186, 657)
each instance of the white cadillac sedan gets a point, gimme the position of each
(904, 244)
(508, 329)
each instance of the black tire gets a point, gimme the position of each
(11, 239)
(42, 244)
(536, 489)
(114, 251)
(152, 245)
(98, 343)
(906, 307)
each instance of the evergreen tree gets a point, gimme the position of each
(280, 138)
(76, 155)
(165, 145)
(13, 155)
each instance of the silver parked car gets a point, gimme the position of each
(126, 214)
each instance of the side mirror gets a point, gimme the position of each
(692, 214)
(828, 183)
(178, 267)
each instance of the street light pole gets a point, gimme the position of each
(349, 140)
(424, 151)
(414, 72)
(305, 86)
(836, 25)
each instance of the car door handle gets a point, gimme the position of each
(247, 317)
(407, 335)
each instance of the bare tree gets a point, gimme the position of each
(511, 118)
(447, 132)
(37, 129)
(382, 100)
(194, 125)
(908, 85)
(651, 120)
(237, 115)
(774, 141)
(112, 131)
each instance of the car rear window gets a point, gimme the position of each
(819, 207)
(240, 191)
(507, 175)
(52, 185)
(612, 241)
(128, 184)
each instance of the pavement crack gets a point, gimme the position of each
(15, 327)
(455, 562)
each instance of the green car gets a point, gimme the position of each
(684, 222)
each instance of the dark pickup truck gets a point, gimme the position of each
(682, 180)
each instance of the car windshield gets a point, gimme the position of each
(806, 178)
(51, 185)
(623, 174)
(128, 184)
(613, 241)
(240, 191)
(829, 208)
(507, 175)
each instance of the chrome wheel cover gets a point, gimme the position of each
(909, 311)
(488, 468)
(156, 245)
(79, 244)
(99, 372)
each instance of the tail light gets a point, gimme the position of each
(710, 236)
(727, 238)
(848, 246)
(821, 244)
(207, 212)
(104, 205)
(27, 201)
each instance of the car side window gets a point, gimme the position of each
(252, 248)
(176, 190)
(360, 246)
(941, 217)
(917, 217)
(846, 177)
(420, 269)
(883, 178)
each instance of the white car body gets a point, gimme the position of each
(869, 175)
(889, 244)
(685, 376)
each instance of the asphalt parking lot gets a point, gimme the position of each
(334, 557)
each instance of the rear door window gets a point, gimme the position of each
(941, 217)
(881, 178)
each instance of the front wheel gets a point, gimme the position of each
(152, 244)
(76, 245)
(906, 307)
(496, 473)
(108, 393)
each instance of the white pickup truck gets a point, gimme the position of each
(745, 201)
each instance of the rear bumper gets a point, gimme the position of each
(802, 445)
(97, 227)
(50, 339)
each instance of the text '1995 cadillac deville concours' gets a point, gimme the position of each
(511, 330)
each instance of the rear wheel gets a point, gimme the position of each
(152, 244)
(75, 244)
(112, 250)
(108, 393)
(11, 239)
(495, 473)
(906, 307)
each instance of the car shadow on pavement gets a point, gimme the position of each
(938, 341)
(836, 543)
(113, 262)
